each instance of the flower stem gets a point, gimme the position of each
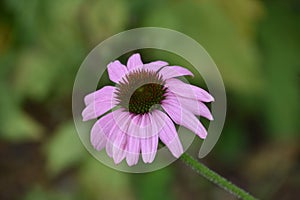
(215, 178)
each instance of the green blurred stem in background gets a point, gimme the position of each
(215, 178)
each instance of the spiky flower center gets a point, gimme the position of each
(140, 91)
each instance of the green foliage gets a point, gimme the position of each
(64, 149)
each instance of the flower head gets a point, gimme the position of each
(142, 109)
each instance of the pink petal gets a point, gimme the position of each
(149, 148)
(119, 147)
(184, 118)
(134, 61)
(174, 71)
(116, 71)
(193, 105)
(189, 91)
(111, 139)
(121, 122)
(168, 135)
(142, 127)
(196, 107)
(100, 131)
(155, 66)
(104, 94)
(145, 121)
(150, 143)
(133, 150)
(145, 127)
(97, 108)
(134, 126)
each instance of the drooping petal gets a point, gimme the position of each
(189, 91)
(98, 106)
(155, 66)
(134, 62)
(145, 126)
(119, 147)
(111, 139)
(196, 107)
(184, 118)
(149, 148)
(100, 131)
(121, 121)
(98, 139)
(142, 127)
(104, 94)
(133, 150)
(174, 71)
(116, 71)
(193, 105)
(135, 126)
(168, 135)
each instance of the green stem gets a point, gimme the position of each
(215, 178)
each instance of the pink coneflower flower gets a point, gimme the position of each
(142, 109)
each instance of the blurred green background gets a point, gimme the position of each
(256, 45)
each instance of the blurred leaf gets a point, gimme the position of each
(15, 125)
(34, 75)
(20, 127)
(64, 149)
(100, 182)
